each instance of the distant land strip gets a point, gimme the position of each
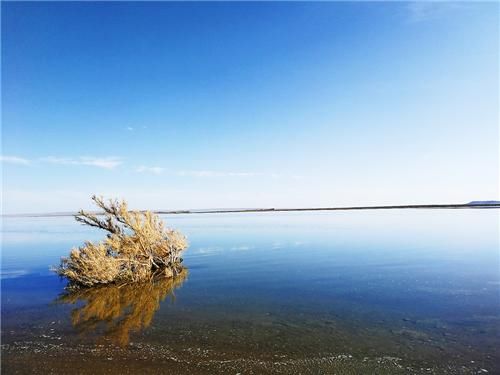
(249, 210)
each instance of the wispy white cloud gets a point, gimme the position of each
(14, 160)
(420, 11)
(154, 170)
(210, 173)
(112, 162)
(216, 174)
(105, 162)
(133, 128)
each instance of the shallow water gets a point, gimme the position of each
(400, 291)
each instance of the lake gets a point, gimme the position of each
(347, 292)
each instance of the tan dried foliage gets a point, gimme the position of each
(115, 311)
(137, 246)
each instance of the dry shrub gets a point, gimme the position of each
(115, 311)
(137, 247)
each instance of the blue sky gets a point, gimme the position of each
(201, 105)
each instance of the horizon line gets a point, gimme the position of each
(472, 204)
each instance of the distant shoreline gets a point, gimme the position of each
(250, 210)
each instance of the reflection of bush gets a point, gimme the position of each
(120, 309)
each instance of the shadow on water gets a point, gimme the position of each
(113, 312)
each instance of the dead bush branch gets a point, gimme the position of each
(137, 246)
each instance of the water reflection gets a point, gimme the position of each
(116, 311)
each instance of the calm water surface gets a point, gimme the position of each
(396, 291)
